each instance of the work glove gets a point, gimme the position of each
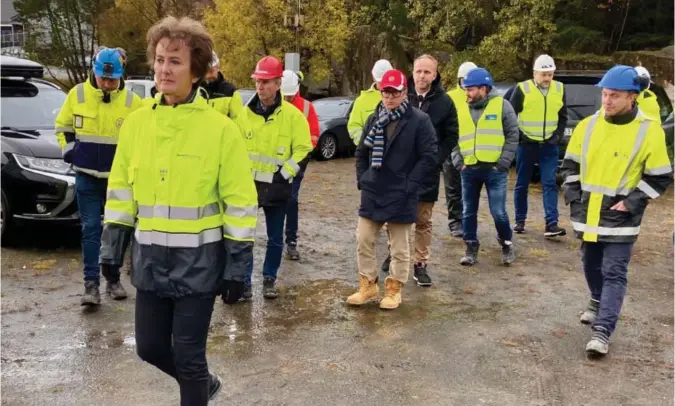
(232, 291)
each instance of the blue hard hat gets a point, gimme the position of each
(109, 63)
(622, 77)
(477, 77)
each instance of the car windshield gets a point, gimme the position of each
(582, 100)
(25, 106)
(329, 109)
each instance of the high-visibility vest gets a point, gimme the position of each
(648, 103)
(612, 160)
(482, 142)
(88, 128)
(364, 106)
(539, 118)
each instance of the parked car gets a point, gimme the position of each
(37, 185)
(142, 87)
(333, 114)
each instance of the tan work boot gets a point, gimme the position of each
(392, 294)
(368, 292)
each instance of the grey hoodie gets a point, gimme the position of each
(511, 134)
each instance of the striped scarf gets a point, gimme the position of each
(375, 138)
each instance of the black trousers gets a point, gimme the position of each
(171, 335)
(453, 191)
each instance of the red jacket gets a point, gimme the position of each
(307, 109)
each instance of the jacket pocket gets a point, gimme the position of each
(84, 122)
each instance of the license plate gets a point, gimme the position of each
(568, 132)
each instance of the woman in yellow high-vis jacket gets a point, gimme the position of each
(615, 163)
(182, 178)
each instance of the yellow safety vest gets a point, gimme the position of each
(482, 142)
(278, 143)
(364, 106)
(539, 118)
(182, 176)
(648, 103)
(612, 159)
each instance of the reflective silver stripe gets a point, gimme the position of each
(609, 231)
(662, 170)
(284, 172)
(178, 213)
(80, 93)
(64, 130)
(482, 131)
(305, 109)
(130, 99)
(117, 215)
(526, 86)
(97, 139)
(237, 211)
(466, 137)
(293, 165)
(91, 172)
(179, 240)
(598, 189)
(558, 86)
(572, 157)
(538, 123)
(586, 143)
(69, 147)
(241, 233)
(644, 186)
(571, 179)
(265, 159)
(488, 148)
(263, 177)
(120, 194)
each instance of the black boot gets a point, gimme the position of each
(519, 228)
(214, 386)
(471, 255)
(114, 287)
(91, 295)
(269, 290)
(456, 229)
(386, 264)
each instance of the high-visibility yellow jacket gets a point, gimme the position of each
(647, 102)
(481, 141)
(277, 145)
(87, 128)
(539, 118)
(607, 163)
(364, 106)
(182, 178)
(458, 96)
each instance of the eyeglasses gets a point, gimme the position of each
(390, 94)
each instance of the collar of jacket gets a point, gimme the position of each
(435, 89)
(213, 87)
(622, 119)
(194, 101)
(91, 81)
(255, 105)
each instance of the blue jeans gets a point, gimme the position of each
(292, 211)
(546, 155)
(473, 179)
(606, 269)
(90, 192)
(274, 219)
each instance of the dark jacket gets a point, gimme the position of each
(517, 98)
(441, 109)
(220, 88)
(391, 193)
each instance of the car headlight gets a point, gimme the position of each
(44, 164)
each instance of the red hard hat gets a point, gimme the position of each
(268, 68)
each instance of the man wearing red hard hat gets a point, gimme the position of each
(278, 142)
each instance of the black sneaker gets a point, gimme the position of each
(386, 264)
(421, 276)
(269, 290)
(292, 253)
(519, 228)
(552, 230)
(214, 386)
(456, 229)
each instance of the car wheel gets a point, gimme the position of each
(327, 147)
(5, 220)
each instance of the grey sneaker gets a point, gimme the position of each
(591, 312)
(116, 290)
(471, 255)
(599, 344)
(91, 295)
(269, 290)
(508, 252)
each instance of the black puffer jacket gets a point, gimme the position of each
(440, 108)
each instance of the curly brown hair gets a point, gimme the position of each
(188, 32)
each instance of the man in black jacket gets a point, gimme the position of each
(426, 93)
(222, 95)
(397, 152)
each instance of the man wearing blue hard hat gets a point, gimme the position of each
(615, 163)
(488, 139)
(87, 128)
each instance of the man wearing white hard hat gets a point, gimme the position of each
(647, 102)
(365, 104)
(542, 116)
(290, 89)
(451, 176)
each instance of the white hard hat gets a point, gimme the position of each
(464, 69)
(544, 63)
(380, 68)
(290, 83)
(215, 61)
(642, 71)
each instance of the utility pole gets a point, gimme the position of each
(295, 20)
